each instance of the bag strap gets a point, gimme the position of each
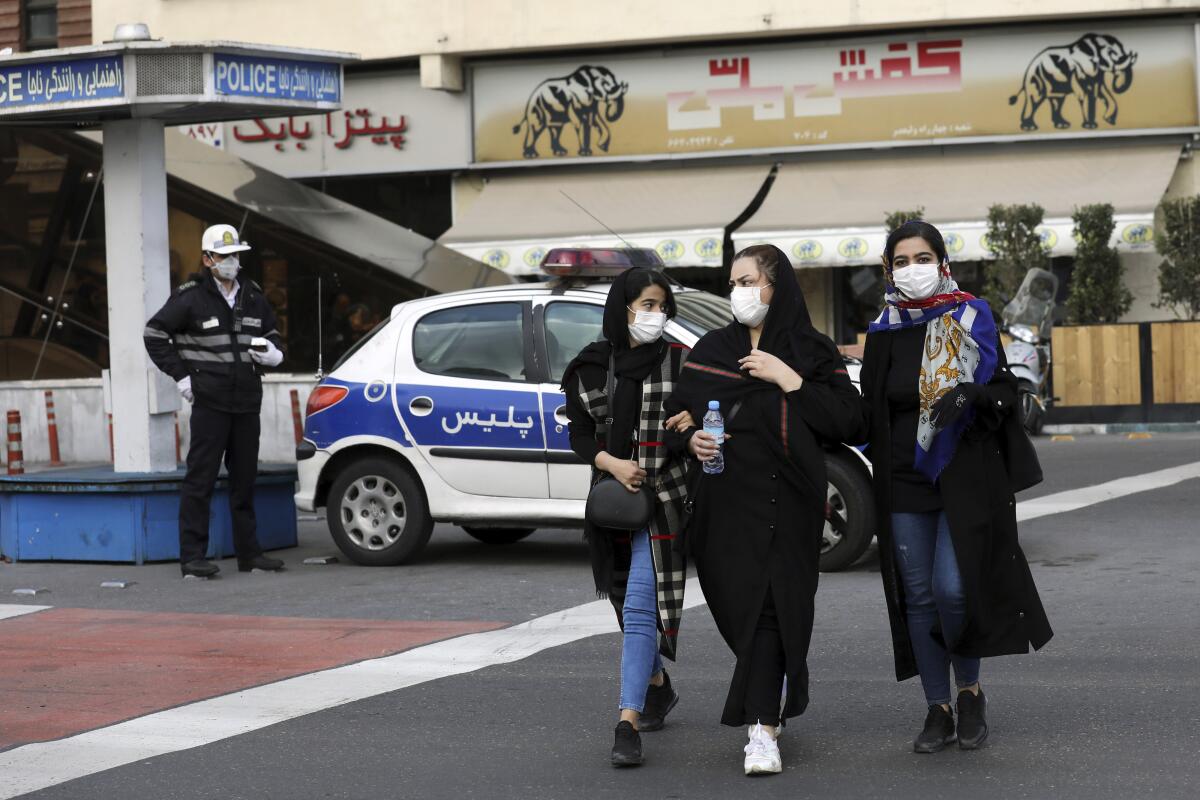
(610, 387)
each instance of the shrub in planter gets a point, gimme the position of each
(1014, 240)
(1179, 243)
(897, 218)
(1098, 295)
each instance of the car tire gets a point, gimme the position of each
(377, 513)
(499, 535)
(849, 514)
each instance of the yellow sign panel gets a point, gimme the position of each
(884, 90)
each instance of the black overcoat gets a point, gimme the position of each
(1004, 613)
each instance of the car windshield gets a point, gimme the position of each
(701, 312)
(354, 348)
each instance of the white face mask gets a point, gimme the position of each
(227, 269)
(747, 304)
(647, 326)
(918, 281)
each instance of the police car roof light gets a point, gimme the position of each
(591, 262)
(323, 397)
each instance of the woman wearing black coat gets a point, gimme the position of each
(626, 436)
(944, 448)
(755, 530)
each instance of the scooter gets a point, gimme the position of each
(1028, 319)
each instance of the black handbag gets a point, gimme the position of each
(1020, 458)
(609, 503)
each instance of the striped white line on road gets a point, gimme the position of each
(37, 766)
(1102, 492)
(10, 610)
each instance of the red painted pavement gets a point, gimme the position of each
(66, 670)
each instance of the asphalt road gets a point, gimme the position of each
(1108, 709)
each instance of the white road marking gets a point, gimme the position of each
(1074, 499)
(10, 610)
(37, 766)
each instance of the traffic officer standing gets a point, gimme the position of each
(213, 337)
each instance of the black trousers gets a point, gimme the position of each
(764, 685)
(217, 435)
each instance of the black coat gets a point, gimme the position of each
(196, 333)
(1004, 612)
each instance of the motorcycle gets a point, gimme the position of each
(1028, 319)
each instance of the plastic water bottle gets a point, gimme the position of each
(714, 424)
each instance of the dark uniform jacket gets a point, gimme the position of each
(196, 333)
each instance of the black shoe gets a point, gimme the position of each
(659, 702)
(938, 732)
(260, 562)
(627, 746)
(199, 568)
(972, 723)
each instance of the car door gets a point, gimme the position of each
(563, 326)
(467, 392)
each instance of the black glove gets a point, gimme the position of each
(954, 403)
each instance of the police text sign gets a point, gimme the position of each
(277, 79)
(39, 84)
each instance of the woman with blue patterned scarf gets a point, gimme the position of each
(939, 400)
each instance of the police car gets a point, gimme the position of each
(451, 411)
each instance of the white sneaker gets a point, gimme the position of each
(762, 752)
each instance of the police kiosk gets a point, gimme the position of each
(131, 88)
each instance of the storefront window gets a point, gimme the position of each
(41, 24)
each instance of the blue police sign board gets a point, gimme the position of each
(277, 79)
(39, 84)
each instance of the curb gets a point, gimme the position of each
(1122, 428)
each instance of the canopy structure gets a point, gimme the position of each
(831, 212)
(682, 212)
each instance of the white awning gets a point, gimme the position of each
(831, 212)
(681, 212)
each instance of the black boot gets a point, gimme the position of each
(199, 568)
(938, 732)
(627, 746)
(659, 702)
(260, 562)
(972, 722)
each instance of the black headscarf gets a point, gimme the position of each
(713, 371)
(633, 364)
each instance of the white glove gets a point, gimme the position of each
(185, 387)
(273, 357)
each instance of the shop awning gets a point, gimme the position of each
(682, 212)
(830, 212)
(313, 214)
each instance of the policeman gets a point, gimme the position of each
(213, 337)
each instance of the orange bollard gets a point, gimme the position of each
(110, 439)
(297, 422)
(16, 459)
(52, 429)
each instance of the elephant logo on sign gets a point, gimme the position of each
(589, 98)
(1095, 66)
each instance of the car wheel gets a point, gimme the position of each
(499, 535)
(377, 513)
(849, 515)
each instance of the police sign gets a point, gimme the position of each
(277, 79)
(48, 84)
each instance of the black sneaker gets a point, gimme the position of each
(938, 732)
(627, 746)
(199, 568)
(972, 722)
(260, 562)
(659, 702)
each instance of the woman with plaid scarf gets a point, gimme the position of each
(627, 437)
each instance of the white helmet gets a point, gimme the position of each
(222, 239)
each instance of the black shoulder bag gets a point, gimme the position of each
(609, 503)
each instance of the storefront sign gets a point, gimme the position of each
(277, 79)
(86, 79)
(390, 124)
(872, 91)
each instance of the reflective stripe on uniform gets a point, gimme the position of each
(154, 333)
(202, 355)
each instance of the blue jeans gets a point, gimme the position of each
(639, 649)
(933, 593)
